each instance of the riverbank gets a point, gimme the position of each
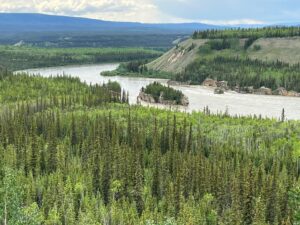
(24, 57)
(200, 97)
(139, 69)
(221, 86)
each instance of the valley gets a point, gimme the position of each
(112, 123)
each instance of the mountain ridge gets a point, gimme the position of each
(35, 22)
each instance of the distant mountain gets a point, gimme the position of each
(290, 24)
(14, 23)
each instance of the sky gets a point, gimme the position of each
(220, 12)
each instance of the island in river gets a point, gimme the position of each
(161, 94)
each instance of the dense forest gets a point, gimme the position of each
(92, 40)
(42, 30)
(243, 72)
(253, 33)
(137, 68)
(22, 57)
(226, 58)
(72, 153)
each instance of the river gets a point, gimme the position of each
(199, 96)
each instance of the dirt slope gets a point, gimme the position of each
(271, 49)
(178, 57)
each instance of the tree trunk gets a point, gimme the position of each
(5, 213)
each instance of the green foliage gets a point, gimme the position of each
(243, 72)
(12, 210)
(59, 91)
(219, 44)
(86, 159)
(225, 56)
(257, 47)
(205, 49)
(248, 33)
(18, 58)
(90, 39)
(249, 42)
(32, 215)
(136, 69)
(11, 197)
(113, 86)
(294, 200)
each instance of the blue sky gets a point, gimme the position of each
(229, 12)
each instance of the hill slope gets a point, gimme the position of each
(23, 22)
(271, 49)
(178, 58)
(62, 31)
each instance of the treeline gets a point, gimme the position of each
(106, 163)
(92, 40)
(253, 33)
(61, 90)
(134, 67)
(243, 72)
(18, 58)
(137, 68)
(157, 90)
(122, 166)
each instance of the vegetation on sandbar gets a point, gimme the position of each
(137, 69)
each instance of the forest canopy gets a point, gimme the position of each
(265, 32)
(72, 153)
(243, 72)
(24, 57)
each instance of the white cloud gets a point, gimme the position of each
(121, 10)
(234, 22)
(154, 11)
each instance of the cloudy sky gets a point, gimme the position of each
(208, 11)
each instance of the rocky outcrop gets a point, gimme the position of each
(177, 83)
(209, 83)
(280, 91)
(184, 101)
(293, 94)
(266, 91)
(219, 91)
(19, 44)
(148, 98)
(222, 84)
(216, 84)
(145, 97)
(263, 91)
(283, 92)
(247, 90)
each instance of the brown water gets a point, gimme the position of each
(199, 97)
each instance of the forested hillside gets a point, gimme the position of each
(244, 57)
(265, 32)
(61, 31)
(74, 154)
